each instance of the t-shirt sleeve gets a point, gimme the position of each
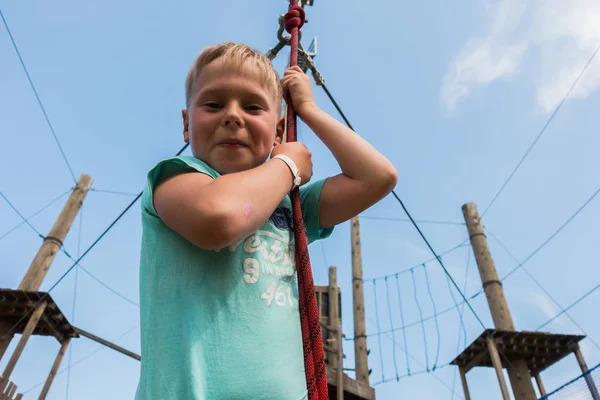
(309, 202)
(169, 168)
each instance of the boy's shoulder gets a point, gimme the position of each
(168, 168)
(178, 164)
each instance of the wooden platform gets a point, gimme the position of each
(14, 304)
(539, 349)
(353, 390)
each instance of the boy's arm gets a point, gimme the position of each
(214, 213)
(367, 176)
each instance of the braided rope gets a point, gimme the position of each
(314, 362)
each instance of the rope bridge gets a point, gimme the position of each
(413, 300)
(577, 388)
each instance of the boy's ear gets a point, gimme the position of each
(279, 129)
(186, 126)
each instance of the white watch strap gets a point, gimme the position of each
(292, 166)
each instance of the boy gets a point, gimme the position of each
(219, 296)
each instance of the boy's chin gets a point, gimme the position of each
(231, 165)
(232, 168)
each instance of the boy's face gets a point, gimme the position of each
(232, 121)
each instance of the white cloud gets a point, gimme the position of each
(558, 36)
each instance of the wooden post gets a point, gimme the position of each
(335, 332)
(588, 378)
(29, 328)
(55, 366)
(498, 367)
(108, 344)
(358, 300)
(518, 371)
(463, 379)
(41, 263)
(53, 242)
(333, 311)
(340, 363)
(10, 390)
(540, 384)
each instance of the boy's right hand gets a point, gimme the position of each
(299, 153)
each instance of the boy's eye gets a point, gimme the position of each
(212, 104)
(254, 107)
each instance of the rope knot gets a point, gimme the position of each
(294, 18)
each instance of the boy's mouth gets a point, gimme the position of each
(232, 143)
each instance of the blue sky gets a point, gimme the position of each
(452, 93)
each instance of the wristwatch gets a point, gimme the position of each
(292, 165)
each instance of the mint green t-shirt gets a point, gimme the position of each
(221, 324)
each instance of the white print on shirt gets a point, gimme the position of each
(251, 270)
(279, 252)
(271, 255)
(281, 293)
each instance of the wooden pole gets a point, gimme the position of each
(358, 300)
(54, 370)
(463, 379)
(335, 332)
(540, 384)
(588, 378)
(340, 363)
(498, 367)
(518, 371)
(108, 344)
(29, 328)
(10, 390)
(42, 261)
(333, 311)
(53, 242)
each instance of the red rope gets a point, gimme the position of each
(314, 362)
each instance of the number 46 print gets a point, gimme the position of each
(278, 293)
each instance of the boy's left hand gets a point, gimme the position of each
(298, 85)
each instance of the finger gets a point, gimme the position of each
(286, 83)
(286, 78)
(291, 79)
(293, 70)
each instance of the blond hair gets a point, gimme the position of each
(236, 54)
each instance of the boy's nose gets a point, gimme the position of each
(232, 120)
(232, 116)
